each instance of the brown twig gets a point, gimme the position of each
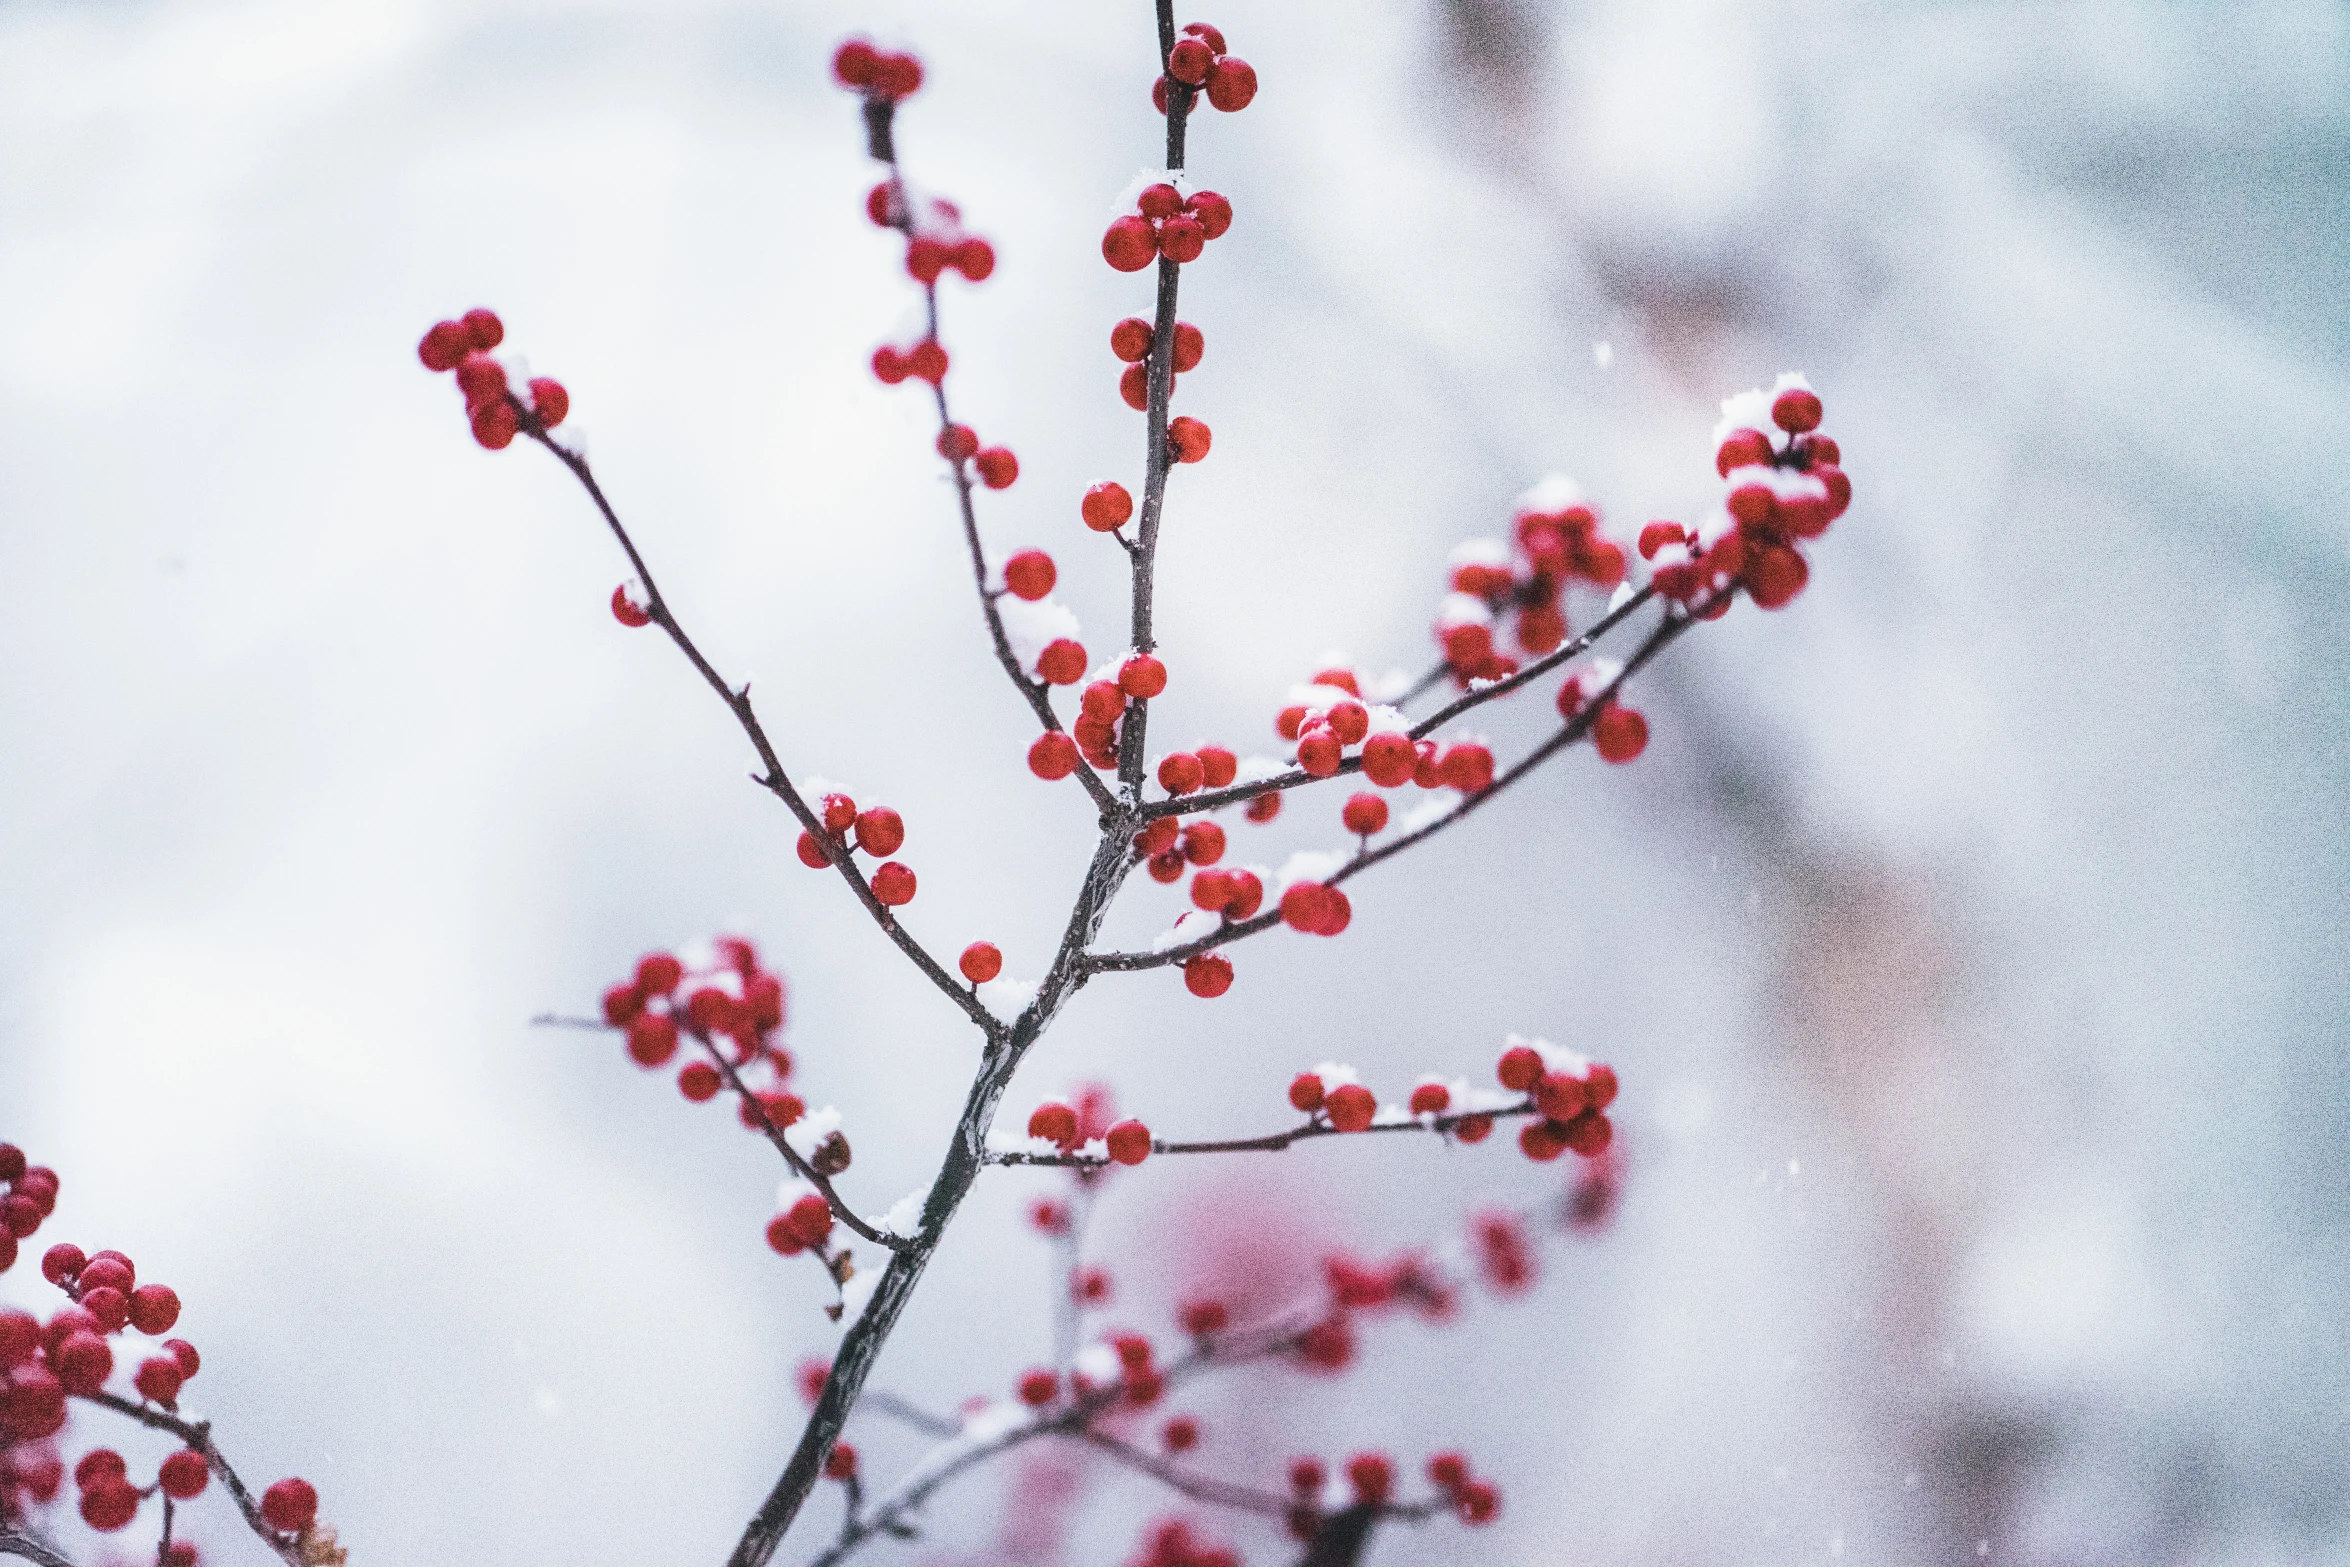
(14, 1543)
(1271, 1142)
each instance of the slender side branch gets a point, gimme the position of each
(1662, 637)
(197, 1434)
(1186, 804)
(1271, 1142)
(776, 781)
(791, 1156)
(32, 1550)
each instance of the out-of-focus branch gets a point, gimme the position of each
(13, 1543)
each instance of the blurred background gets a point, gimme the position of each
(1971, 939)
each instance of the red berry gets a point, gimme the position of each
(1187, 439)
(1129, 1142)
(1055, 1122)
(880, 207)
(1203, 842)
(550, 404)
(98, 1466)
(1134, 386)
(1543, 1141)
(109, 1507)
(1180, 1434)
(658, 973)
(1589, 1134)
(1796, 411)
(1372, 1475)
(1190, 347)
(1159, 201)
(890, 366)
(1478, 1502)
(1166, 866)
(621, 1003)
(1305, 1092)
(1619, 733)
(853, 64)
(59, 1264)
(484, 328)
(444, 345)
(893, 885)
(1107, 506)
(1247, 894)
(957, 442)
(495, 425)
(1207, 975)
(1218, 767)
(1062, 663)
(1182, 238)
(185, 1475)
(1189, 60)
(1350, 721)
(981, 962)
(927, 362)
(1053, 756)
(698, 1081)
(1448, 1471)
(1232, 84)
(1774, 575)
(1320, 754)
(813, 853)
(158, 1380)
(897, 76)
(974, 258)
(185, 1353)
(1158, 837)
(1431, 1099)
(1213, 211)
(880, 831)
(1541, 627)
(482, 380)
(155, 1308)
(1520, 1068)
(82, 1362)
(1350, 1107)
(1467, 767)
(1142, 676)
(1206, 34)
(1744, 449)
(1131, 338)
(997, 467)
(1387, 760)
(1179, 773)
(652, 1039)
(1039, 1388)
(1130, 245)
(1600, 1086)
(1752, 504)
(1364, 814)
(1202, 1317)
(1657, 535)
(810, 1217)
(1264, 807)
(1159, 95)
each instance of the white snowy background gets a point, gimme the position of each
(1971, 940)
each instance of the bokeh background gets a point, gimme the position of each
(1971, 939)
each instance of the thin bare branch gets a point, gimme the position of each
(791, 1156)
(13, 1543)
(197, 1434)
(1271, 1142)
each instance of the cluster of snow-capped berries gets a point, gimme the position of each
(1131, 340)
(1200, 61)
(1557, 542)
(1570, 1093)
(1070, 1127)
(1165, 223)
(733, 998)
(1101, 709)
(28, 1195)
(497, 415)
(877, 831)
(1775, 496)
(877, 73)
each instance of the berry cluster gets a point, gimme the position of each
(1199, 62)
(878, 831)
(925, 361)
(28, 1195)
(1774, 497)
(1101, 709)
(936, 242)
(1618, 733)
(875, 72)
(497, 415)
(997, 467)
(1557, 542)
(1070, 1127)
(1165, 224)
(1171, 1543)
(729, 997)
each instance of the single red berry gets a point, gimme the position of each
(1350, 721)
(1467, 767)
(1191, 345)
(482, 380)
(1107, 507)
(841, 1462)
(621, 1003)
(185, 1353)
(1039, 1387)
(185, 1475)
(928, 361)
(1541, 628)
(445, 344)
(109, 1507)
(698, 1081)
(813, 853)
(782, 1239)
(1053, 756)
(1520, 1068)
(1206, 34)
(1130, 244)
(1189, 60)
(1179, 773)
(1055, 1122)
(1305, 1092)
(627, 610)
(111, 1307)
(974, 258)
(1774, 575)
(484, 328)
(1030, 575)
(997, 467)
(155, 1308)
(1131, 339)
(1320, 753)
(1796, 411)
(158, 1380)
(881, 206)
(1182, 238)
(1247, 894)
(1619, 733)
(98, 1466)
(1744, 449)
(1181, 1434)
(893, 885)
(1160, 836)
(1203, 842)
(1159, 201)
(810, 1218)
(1431, 1099)
(1589, 1134)
(1542, 1141)
(957, 442)
(1218, 767)
(1364, 814)
(1159, 95)
(658, 973)
(1448, 1471)
(1478, 1502)
(1752, 504)
(1600, 1085)
(1187, 439)
(854, 62)
(652, 1039)
(1134, 387)
(1062, 663)
(1129, 1142)
(981, 962)
(1213, 211)
(1264, 807)
(1142, 676)
(1207, 975)
(1387, 760)
(495, 425)
(1232, 84)
(1561, 1097)
(1166, 866)
(890, 366)
(1372, 1475)
(1350, 1107)
(880, 831)
(550, 404)
(62, 1262)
